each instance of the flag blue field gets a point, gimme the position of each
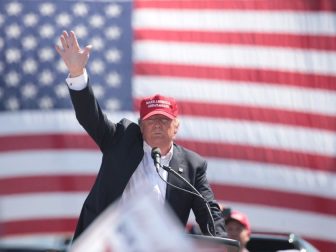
(254, 80)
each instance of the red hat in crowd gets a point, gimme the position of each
(241, 218)
(158, 105)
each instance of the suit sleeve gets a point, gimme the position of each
(91, 117)
(199, 209)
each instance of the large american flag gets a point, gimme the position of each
(256, 85)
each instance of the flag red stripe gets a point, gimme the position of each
(298, 5)
(54, 183)
(257, 114)
(260, 76)
(213, 149)
(322, 245)
(263, 155)
(83, 183)
(46, 141)
(273, 198)
(242, 38)
(38, 226)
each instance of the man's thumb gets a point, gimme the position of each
(87, 50)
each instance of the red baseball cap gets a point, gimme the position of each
(158, 105)
(241, 218)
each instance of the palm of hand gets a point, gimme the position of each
(73, 56)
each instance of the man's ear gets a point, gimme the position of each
(140, 124)
(177, 125)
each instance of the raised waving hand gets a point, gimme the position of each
(74, 57)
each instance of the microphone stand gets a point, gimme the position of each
(211, 228)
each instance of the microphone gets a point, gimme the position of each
(156, 155)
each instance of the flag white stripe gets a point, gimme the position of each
(41, 205)
(283, 220)
(219, 55)
(37, 121)
(240, 132)
(49, 162)
(229, 172)
(57, 121)
(239, 93)
(35, 240)
(295, 22)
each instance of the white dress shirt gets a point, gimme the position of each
(146, 175)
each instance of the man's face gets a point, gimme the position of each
(159, 131)
(237, 231)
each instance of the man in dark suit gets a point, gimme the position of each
(126, 147)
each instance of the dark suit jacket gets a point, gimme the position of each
(122, 147)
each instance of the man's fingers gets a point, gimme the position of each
(63, 42)
(59, 50)
(74, 41)
(66, 39)
(87, 49)
(70, 50)
(65, 34)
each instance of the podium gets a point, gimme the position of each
(214, 244)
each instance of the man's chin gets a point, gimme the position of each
(157, 137)
(158, 141)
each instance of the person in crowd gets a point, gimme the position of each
(238, 228)
(126, 151)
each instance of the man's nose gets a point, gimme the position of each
(157, 123)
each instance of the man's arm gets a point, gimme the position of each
(88, 111)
